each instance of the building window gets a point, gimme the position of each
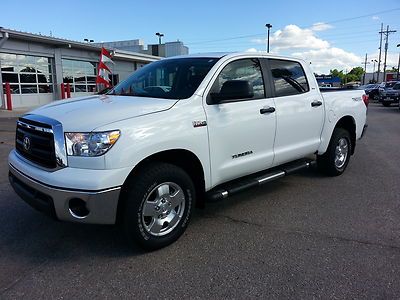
(81, 75)
(27, 74)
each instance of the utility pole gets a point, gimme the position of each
(386, 33)
(380, 54)
(365, 67)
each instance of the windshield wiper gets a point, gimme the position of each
(132, 94)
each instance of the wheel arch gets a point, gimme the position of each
(182, 158)
(348, 123)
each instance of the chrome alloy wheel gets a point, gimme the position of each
(163, 209)
(341, 152)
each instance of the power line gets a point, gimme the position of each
(364, 16)
(227, 39)
(263, 34)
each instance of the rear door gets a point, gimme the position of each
(299, 111)
(241, 131)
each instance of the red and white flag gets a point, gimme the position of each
(103, 70)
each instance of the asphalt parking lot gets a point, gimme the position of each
(302, 236)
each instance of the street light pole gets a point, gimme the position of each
(160, 35)
(373, 73)
(398, 64)
(269, 26)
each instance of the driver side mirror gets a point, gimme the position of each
(233, 90)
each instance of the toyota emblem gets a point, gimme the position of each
(27, 143)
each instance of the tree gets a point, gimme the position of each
(354, 74)
(357, 71)
(392, 70)
(336, 73)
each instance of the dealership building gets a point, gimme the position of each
(34, 66)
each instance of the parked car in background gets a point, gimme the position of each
(351, 85)
(326, 85)
(372, 90)
(389, 92)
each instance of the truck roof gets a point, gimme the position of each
(234, 54)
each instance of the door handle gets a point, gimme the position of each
(316, 103)
(267, 110)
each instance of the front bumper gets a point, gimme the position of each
(55, 200)
(389, 98)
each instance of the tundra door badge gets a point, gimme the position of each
(199, 123)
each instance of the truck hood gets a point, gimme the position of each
(87, 113)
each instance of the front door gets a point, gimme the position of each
(241, 129)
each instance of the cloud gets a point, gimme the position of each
(305, 43)
(252, 50)
(323, 60)
(375, 18)
(320, 26)
(293, 36)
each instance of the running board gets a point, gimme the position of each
(240, 185)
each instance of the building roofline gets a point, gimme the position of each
(64, 43)
(123, 54)
(47, 39)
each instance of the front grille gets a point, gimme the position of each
(41, 142)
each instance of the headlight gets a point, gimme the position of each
(90, 144)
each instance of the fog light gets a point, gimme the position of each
(78, 208)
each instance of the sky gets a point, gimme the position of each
(329, 34)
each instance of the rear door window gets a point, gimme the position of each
(288, 77)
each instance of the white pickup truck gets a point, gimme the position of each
(180, 130)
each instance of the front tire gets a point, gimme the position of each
(336, 158)
(158, 205)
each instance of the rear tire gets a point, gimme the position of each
(336, 158)
(158, 205)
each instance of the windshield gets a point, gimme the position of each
(170, 78)
(390, 84)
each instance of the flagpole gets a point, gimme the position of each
(103, 71)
